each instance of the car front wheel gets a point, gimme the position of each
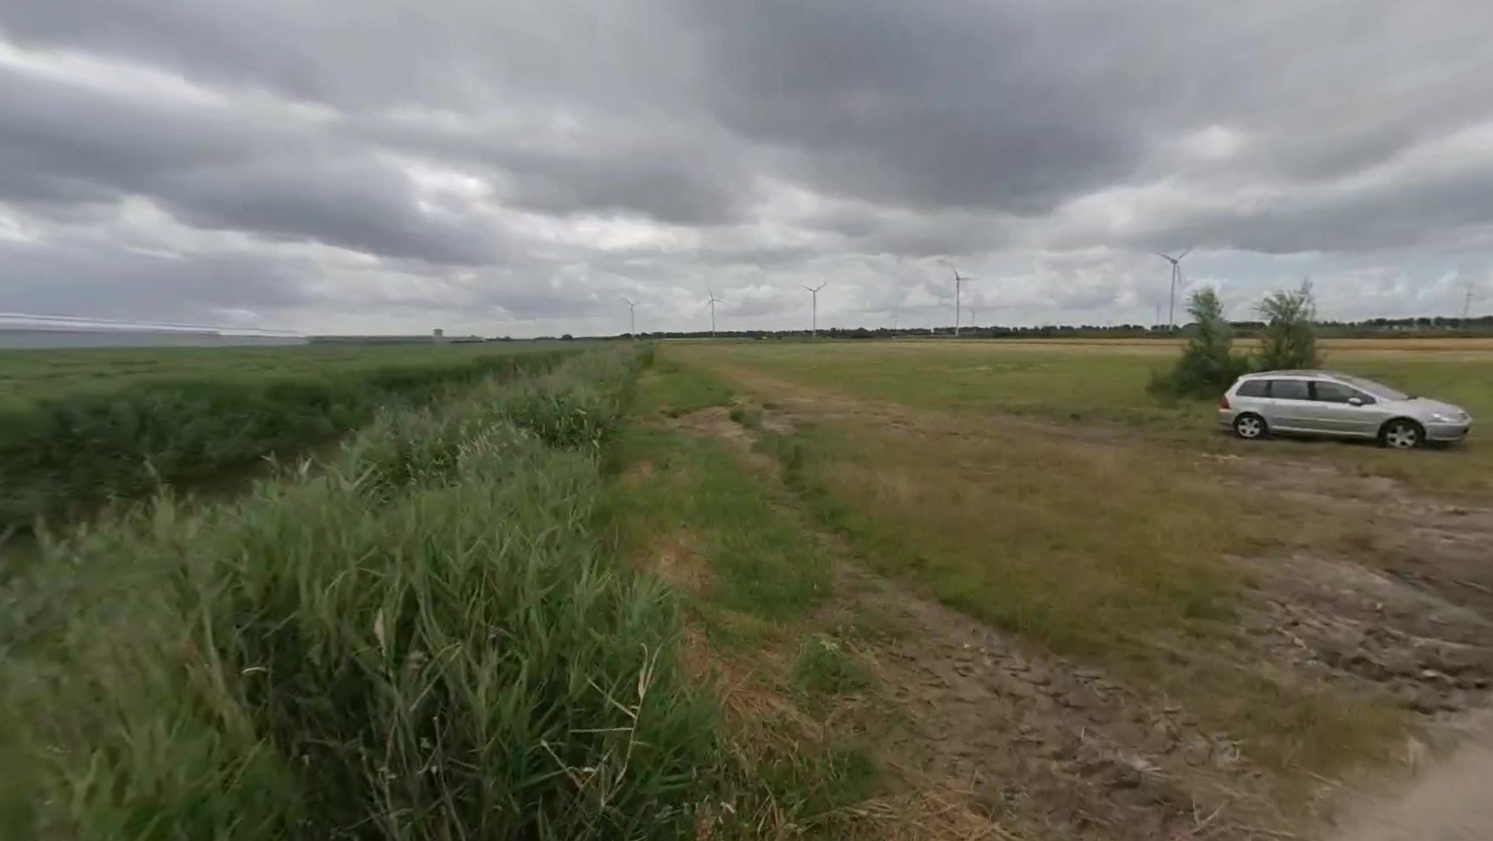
(1249, 427)
(1402, 435)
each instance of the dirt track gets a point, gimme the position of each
(1450, 802)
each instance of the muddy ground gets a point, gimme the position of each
(1047, 748)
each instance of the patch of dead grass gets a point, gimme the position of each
(676, 558)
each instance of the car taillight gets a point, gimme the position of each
(1223, 402)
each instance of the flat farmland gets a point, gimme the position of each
(33, 374)
(1108, 618)
(1102, 385)
(79, 428)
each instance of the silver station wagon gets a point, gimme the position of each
(1338, 405)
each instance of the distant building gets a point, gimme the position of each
(19, 331)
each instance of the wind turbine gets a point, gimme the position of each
(711, 303)
(814, 291)
(1466, 305)
(959, 281)
(1171, 308)
(632, 315)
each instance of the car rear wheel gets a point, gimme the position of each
(1250, 427)
(1402, 435)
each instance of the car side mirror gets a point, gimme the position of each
(1356, 401)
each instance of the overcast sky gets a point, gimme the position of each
(518, 166)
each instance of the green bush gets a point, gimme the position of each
(452, 655)
(1289, 340)
(66, 454)
(1208, 365)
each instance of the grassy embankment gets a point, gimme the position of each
(430, 639)
(79, 428)
(1106, 547)
(756, 585)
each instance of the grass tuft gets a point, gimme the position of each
(825, 668)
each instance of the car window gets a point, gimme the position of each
(1289, 390)
(1379, 390)
(1252, 388)
(1331, 392)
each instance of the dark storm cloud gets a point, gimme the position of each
(1019, 106)
(928, 105)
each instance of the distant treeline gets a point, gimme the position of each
(1371, 328)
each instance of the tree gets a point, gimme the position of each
(1289, 340)
(1208, 365)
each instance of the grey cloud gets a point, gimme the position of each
(928, 106)
(463, 53)
(961, 128)
(355, 204)
(680, 171)
(1389, 216)
(80, 277)
(63, 144)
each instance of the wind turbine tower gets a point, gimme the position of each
(711, 303)
(814, 291)
(1171, 307)
(632, 316)
(959, 281)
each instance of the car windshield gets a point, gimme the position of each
(1380, 391)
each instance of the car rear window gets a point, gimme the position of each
(1289, 390)
(1252, 388)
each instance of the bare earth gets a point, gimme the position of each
(1054, 749)
(1452, 801)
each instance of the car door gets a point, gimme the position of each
(1290, 404)
(1340, 409)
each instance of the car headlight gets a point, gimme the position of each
(1443, 417)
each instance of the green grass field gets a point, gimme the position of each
(81, 428)
(29, 375)
(725, 594)
(1040, 488)
(453, 629)
(1104, 383)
